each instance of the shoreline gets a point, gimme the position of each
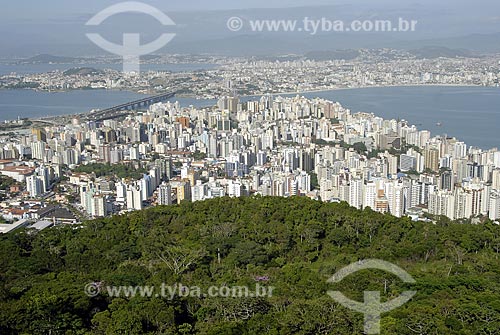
(307, 94)
(252, 95)
(369, 87)
(300, 93)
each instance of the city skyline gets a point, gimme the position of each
(314, 148)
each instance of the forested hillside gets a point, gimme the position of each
(294, 245)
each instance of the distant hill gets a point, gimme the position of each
(46, 59)
(83, 71)
(457, 25)
(150, 57)
(332, 55)
(433, 52)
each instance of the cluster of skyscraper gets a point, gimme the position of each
(272, 146)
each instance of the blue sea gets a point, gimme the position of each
(472, 114)
(33, 104)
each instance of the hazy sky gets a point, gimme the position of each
(11, 10)
(53, 8)
(58, 26)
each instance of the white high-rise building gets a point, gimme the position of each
(397, 204)
(480, 198)
(326, 190)
(407, 163)
(496, 159)
(356, 193)
(155, 175)
(234, 189)
(146, 187)
(459, 150)
(134, 153)
(99, 206)
(304, 182)
(494, 205)
(44, 174)
(414, 194)
(462, 204)
(38, 150)
(495, 179)
(34, 186)
(134, 197)
(121, 192)
(442, 203)
(165, 194)
(370, 195)
(392, 164)
(425, 136)
(199, 191)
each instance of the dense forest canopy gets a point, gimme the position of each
(296, 244)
